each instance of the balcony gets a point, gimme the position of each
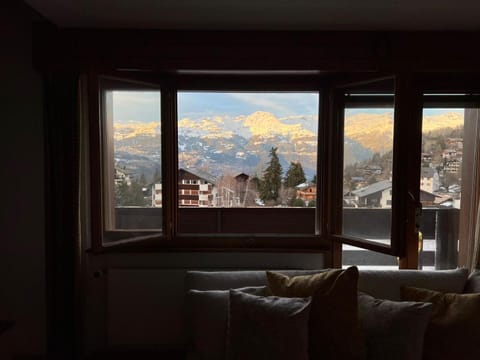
(440, 228)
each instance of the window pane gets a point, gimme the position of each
(133, 164)
(367, 173)
(441, 186)
(366, 259)
(246, 150)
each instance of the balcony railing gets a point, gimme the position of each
(440, 228)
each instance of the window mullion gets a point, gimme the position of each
(334, 188)
(321, 221)
(96, 161)
(406, 170)
(169, 162)
(336, 160)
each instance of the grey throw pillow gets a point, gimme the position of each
(394, 330)
(208, 314)
(473, 283)
(263, 328)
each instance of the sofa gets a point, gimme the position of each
(390, 327)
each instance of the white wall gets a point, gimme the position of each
(22, 269)
(139, 299)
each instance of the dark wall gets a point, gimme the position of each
(22, 268)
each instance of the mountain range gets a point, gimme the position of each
(223, 144)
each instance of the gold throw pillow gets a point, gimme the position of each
(334, 331)
(453, 331)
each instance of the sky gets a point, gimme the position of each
(144, 106)
(195, 105)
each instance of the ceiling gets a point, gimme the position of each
(263, 14)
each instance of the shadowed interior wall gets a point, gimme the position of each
(22, 244)
(139, 299)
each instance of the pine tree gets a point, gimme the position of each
(142, 181)
(298, 202)
(295, 175)
(157, 177)
(256, 181)
(121, 193)
(272, 178)
(136, 197)
(129, 195)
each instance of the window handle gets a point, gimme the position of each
(418, 211)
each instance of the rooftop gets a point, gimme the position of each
(373, 188)
(201, 174)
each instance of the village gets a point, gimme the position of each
(369, 187)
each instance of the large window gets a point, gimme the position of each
(441, 186)
(247, 156)
(131, 142)
(367, 173)
(241, 164)
(367, 180)
(133, 117)
(447, 177)
(366, 192)
(279, 163)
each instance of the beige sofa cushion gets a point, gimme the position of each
(453, 331)
(382, 284)
(225, 280)
(386, 284)
(473, 283)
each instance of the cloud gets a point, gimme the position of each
(137, 97)
(263, 101)
(197, 105)
(143, 106)
(281, 104)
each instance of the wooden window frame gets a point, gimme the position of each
(145, 54)
(325, 237)
(464, 92)
(404, 100)
(171, 238)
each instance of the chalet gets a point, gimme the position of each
(372, 170)
(449, 154)
(455, 143)
(196, 188)
(242, 184)
(378, 194)
(427, 157)
(122, 175)
(307, 192)
(444, 200)
(157, 195)
(429, 179)
(452, 165)
(429, 199)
